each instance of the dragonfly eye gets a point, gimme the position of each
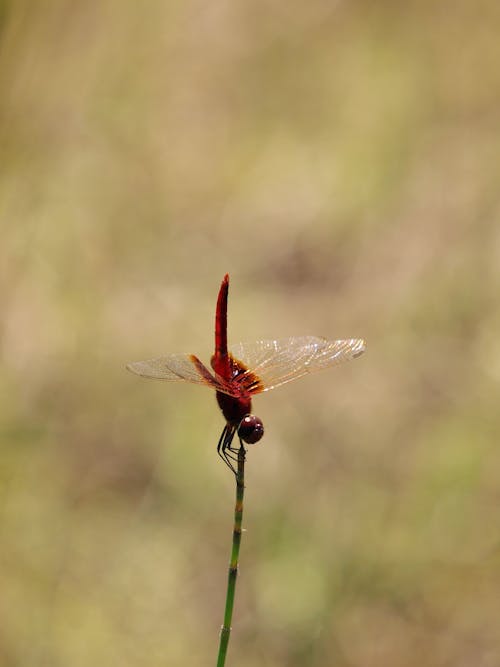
(251, 429)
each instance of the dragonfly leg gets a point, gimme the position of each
(225, 441)
(226, 449)
(221, 440)
(235, 450)
(224, 445)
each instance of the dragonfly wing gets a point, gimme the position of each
(176, 367)
(275, 362)
(173, 368)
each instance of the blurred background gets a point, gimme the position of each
(341, 160)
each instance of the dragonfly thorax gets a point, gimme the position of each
(234, 409)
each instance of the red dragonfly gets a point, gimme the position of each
(247, 369)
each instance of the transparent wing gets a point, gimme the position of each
(275, 362)
(186, 367)
(175, 367)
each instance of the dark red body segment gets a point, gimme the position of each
(233, 408)
(220, 359)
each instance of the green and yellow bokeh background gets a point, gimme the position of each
(341, 160)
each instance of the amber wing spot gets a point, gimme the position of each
(248, 381)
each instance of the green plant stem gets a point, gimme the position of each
(233, 564)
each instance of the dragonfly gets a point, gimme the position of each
(246, 369)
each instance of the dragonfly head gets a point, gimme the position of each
(251, 429)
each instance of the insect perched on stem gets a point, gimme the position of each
(247, 369)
